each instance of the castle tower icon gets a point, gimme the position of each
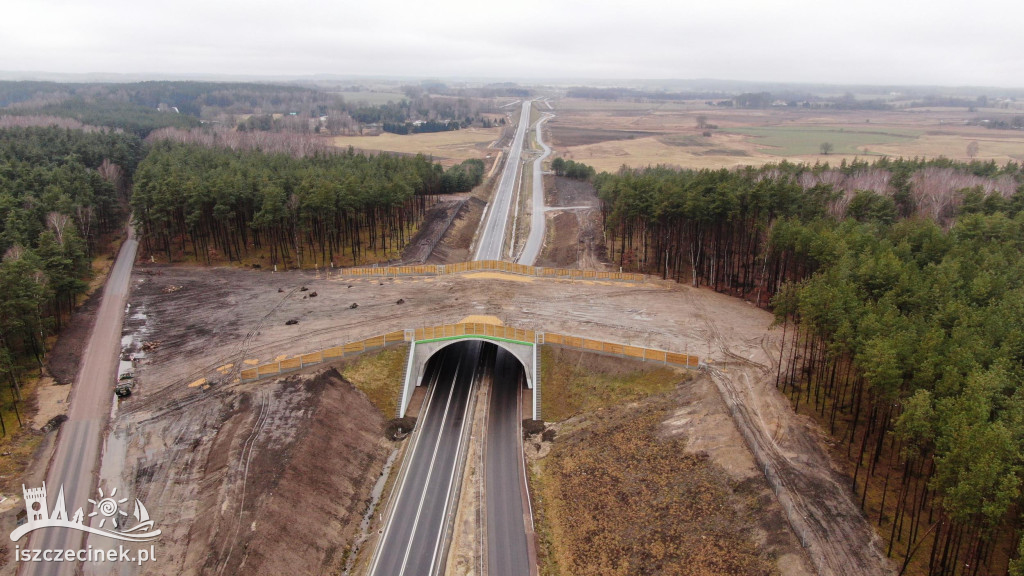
(35, 504)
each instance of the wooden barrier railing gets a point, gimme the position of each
(309, 359)
(637, 352)
(475, 329)
(491, 266)
(453, 331)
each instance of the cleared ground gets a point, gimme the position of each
(684, 514)
(575, 238)
(208, 323)
(263, 479)
(609, 134)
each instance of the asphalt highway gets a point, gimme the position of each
(507, 553)
(414, 538)
(492, 238)
(76, 461)
(413, 543)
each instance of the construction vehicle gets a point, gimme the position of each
(125, 379)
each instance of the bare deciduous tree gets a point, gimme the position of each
(58, 223)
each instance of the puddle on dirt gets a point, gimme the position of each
(364, 526)
(115, 446)
(136, 330)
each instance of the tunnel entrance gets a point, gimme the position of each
(460, 378)
(506, 372)
(510, 359)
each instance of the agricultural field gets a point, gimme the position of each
(807, 140)
(610, 134)
(448, 148)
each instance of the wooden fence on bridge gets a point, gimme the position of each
(470, 329)
(490, 266)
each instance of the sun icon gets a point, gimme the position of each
(108, 507)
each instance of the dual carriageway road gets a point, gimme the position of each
(414, 539)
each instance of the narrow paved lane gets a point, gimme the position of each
(507, 553)
(76, 461)
(413, 540)
(492, 238)
(538, 220)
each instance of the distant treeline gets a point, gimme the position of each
(766, 99)
(58, 194)
(189, 98)
(145, 106)
(129, 117)
(634, 94)
(899, 286)
(1014, 123)
(421, 127)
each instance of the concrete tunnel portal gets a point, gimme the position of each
(451, 372)
(421, 353)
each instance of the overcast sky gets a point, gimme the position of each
(944, 42)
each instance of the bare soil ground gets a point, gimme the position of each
(454, 244)
(271, 478)
(560, 192)
(575, 238)
(710, 454)
(677, 510)
(561, 249)
(610, 134)
(220, 317)
(64, 359)
(435, 226)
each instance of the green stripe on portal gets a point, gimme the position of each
(475, 336)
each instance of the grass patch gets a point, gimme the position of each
(18, 447)
(19, 442)
(796, 141)
(380, 377)
(614, 497)
(687, 140)
(575, 381)
(724, 152)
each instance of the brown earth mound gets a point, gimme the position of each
(616, 496)
(271, 480)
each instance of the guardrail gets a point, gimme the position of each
(491, 266)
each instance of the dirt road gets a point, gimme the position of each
(789, 451)
(74, 464)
